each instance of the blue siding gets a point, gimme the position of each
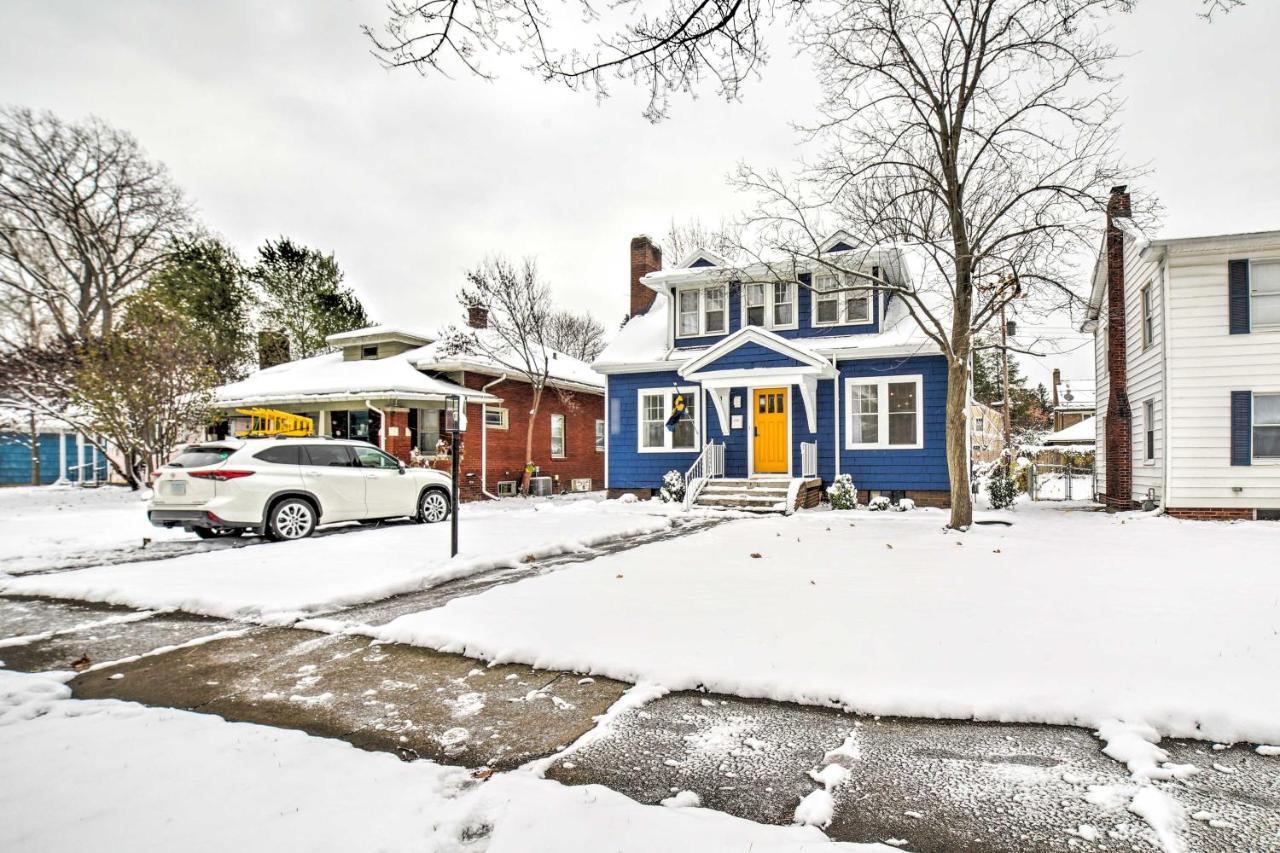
(1241, 428)
(628, 468)
(885, 470)
(805, 329)
(752, 354)
(15, 458)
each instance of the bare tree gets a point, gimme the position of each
(672, 50)
(977, 134)
(517, 336)
(578, 335)
(85, 216)
(686, 237)
(145, 386)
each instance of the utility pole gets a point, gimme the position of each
(456, 426)
(1008, 413)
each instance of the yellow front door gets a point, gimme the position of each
(770, 422)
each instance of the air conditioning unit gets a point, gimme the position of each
(507, 488)
(540, 486)
(580, 484)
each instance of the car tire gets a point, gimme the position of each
(291, 518)
(433, 506)
(218, 532)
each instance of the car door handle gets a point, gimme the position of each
(370, 476)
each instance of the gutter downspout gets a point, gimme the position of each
(484, 440)
(382, 425)
(1165, 397)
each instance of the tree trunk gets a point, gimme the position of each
(957, 443)
(528, 436)
(35, 450)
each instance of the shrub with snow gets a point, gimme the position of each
(672, 490)
(842, 494)
(1001, 488)
(879, 503)
(905, 504)
(628, 498)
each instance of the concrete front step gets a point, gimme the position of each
(757, 494)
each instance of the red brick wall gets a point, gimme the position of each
(1210, 514)
(1118, 426)
(933, 498)
(506, 447)
(645, 258)
(395, 426)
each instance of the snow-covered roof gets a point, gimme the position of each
(644, 341)
(1077, 394)
(564, 370)
(370, 334)
(1084, 432)
(329, 377)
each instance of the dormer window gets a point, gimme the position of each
(836, 304)
(700, 311)
(770, 306)
(369, 351)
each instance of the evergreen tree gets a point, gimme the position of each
(204, 280)
(303, 296)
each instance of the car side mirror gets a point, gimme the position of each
(403, 469)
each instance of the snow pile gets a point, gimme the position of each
(40, 526)
(279, 785)
(281, 582)
(1065, 617)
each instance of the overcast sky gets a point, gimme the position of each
(276, 120)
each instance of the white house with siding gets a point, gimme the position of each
(1187, 354)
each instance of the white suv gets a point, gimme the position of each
(285, 487)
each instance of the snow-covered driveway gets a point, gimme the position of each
(1073, 618)
(280, 582)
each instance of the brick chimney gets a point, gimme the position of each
(477, 316)
(1057, 380)
(1118, 428)
(645, 258)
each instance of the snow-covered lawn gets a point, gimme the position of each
(43, 525)
(84, 775)
(1066, 617)
(280, 582)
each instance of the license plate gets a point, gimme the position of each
(177, 487)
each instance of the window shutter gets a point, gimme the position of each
(1238, 294)
(1241, 427)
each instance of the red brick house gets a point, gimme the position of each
(392, 388)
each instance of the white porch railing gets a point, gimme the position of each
(808, 459)
(710, 463)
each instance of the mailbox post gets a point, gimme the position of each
(457, 424)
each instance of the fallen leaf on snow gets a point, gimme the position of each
(81, 663)
(755, 556)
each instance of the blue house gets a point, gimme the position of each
(789, 378)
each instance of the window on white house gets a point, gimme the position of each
(496, 418)
(655, 407)
(370, 351)
(835, 304)
(1149, 426)
(713, 315)
(753, 297)
(600, 435)
(1266, 426)
(1264, 295)
(557, 436)
(885, 412)
(1148, 319)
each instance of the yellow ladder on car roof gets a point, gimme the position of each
(269, 422)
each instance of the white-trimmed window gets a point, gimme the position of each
(1149, 430)
(1264, 295)
(600, 435)
(836, 305)
(1266, 426)
(700, 311)
(769, 305)
(557, 436)
(496, 417)
(1148, 318)
(884, 412)
(654, 407)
